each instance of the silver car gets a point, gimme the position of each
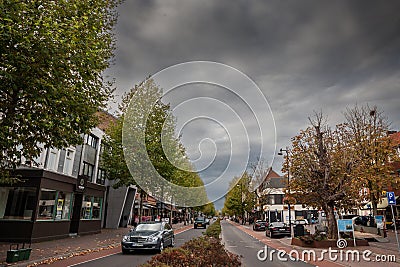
(149, 235)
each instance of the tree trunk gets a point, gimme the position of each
(332, 225)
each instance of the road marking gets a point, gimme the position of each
(98, 258)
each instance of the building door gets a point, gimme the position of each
(76, 213)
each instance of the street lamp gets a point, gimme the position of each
(288, 189)
(241, 200)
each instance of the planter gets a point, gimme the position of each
(326, 243)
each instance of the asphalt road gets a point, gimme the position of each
(240, 243)
(139, 257)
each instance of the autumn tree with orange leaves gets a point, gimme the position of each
(329, 166)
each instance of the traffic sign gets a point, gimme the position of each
(391, 198)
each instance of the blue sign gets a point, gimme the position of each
(391, 198)
(345, 225)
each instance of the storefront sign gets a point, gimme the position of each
(81, 183)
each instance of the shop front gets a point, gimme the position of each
(42, 206)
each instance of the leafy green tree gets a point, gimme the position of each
(159, 141)
(53, 54)
(240, 198)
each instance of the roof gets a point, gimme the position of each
(105, 120)
(272, 180)
(395, 137)
(277, 182)
(272, 174)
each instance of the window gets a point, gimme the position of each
(96, 210)
(54, 205)
(46, 204)
(271, 199)
(91, 208)
(63, 206)
(278, 199)
(88, 170)
(101, 176)
(17, 203)
(91, 140)
(52, 161)
(69, 161)
(86, 208)
(275, 199)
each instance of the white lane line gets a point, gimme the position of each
(98, 258)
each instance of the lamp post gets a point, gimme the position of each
(241, 200)
(288, 189)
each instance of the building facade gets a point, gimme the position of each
(272, 195)
(61, 193)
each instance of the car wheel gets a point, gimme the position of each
(173, 242)
(270, 234)
(161, 248)
(195, 227)
(125, 251)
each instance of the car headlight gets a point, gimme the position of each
(125, 238)
(151, 239)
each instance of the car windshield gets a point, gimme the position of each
(278, 224)
(148, 227)
(200, 219)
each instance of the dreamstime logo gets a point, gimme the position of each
(341, 243)
(224, 119)
(331, 254)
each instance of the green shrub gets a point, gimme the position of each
(214, 230)
(199, 252)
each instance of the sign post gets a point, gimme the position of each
(346, 226)
(392, 201)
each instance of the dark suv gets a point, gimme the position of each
(200, 222)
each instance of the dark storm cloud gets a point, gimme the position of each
(304, 55)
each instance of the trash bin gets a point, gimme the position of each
(12, 255)
(18, 254)
(299, 230)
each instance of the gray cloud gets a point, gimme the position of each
(304, 55)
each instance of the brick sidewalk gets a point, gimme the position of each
(45, 252)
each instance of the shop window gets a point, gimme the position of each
(96, 211)
(46, 204)
(91, 208)
(54, 205)
(17, 203)
(63, 206)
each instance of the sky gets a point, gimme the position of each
(276, 63)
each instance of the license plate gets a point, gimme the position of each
(282, 230)
(137, 245)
